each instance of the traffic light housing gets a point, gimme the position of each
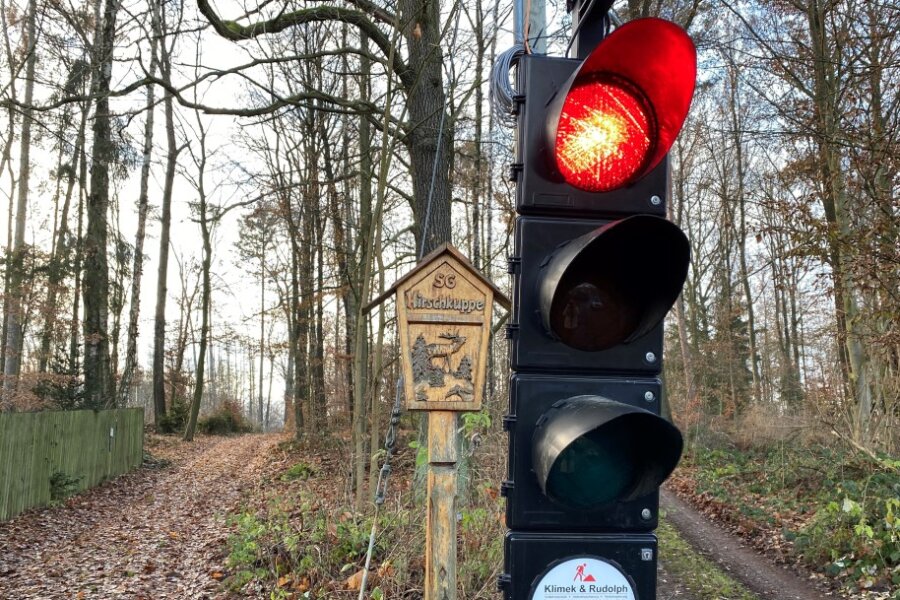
(596, 267)
(653, 62)
(558, 423)
(563, 267)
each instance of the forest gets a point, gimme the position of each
(202, 198)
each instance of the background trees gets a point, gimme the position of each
(344, 138)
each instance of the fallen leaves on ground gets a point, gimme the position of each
(354, 582)
(150, 534)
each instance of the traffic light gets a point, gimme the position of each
(596, 267)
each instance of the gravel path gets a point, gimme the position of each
(151, 534)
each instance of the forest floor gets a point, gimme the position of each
(177, 527)
(154, 533)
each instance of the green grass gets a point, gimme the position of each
(301, 470)
(700, 576)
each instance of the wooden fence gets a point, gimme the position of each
(46, 454)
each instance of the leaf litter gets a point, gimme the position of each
(156, 533)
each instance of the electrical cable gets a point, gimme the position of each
(381, 486)
(502, 93)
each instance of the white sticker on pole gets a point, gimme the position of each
(583, 578)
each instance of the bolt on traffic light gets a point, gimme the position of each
(596, 267)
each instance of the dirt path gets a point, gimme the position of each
(152, 534)
(759, 574)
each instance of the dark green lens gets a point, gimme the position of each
(596, 469)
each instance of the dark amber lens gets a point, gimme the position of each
(593, 310)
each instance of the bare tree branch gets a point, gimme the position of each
(232, 30)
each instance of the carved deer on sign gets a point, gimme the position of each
(439, 350)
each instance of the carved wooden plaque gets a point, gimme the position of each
(444, 309)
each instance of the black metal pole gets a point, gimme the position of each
(590, 23)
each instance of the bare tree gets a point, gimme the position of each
(14, 309)
(143, 206)
(172, 151)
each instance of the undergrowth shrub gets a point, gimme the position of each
(840, 509)
(62, 486)
(306, 540)
(313, 546)
(857, 532)
(175, 419)
(61, 387)
(60, 391)
(300, 470)
(478, 529)
(226, 419)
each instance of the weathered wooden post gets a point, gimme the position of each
(444, 308)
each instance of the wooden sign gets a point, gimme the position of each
(444, 308)
(444, 311)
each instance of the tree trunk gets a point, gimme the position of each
(737, 129)
(304, 316)
(288, 418)
(318, 362)
(476, 183)
(299, 379)
(204, 318)
(375, 403)
(837, 214)
(262, 323)
(98, 378)
(429, 134)
(357, 324)
(206, 291)
(138, 267)
(185, 306)
(677, 217)
(55, 269)
(116, 301)
(265, 425)
(79, 261)
(14, 306)
(159, 321)
(213, 375)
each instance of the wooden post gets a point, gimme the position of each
(440, 524)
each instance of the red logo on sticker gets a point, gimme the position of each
(580, 575)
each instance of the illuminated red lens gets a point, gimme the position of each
(603, 137)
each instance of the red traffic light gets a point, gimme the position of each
(619, 113)
(603, 136)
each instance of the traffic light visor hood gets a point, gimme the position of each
(619, 114)
(614, 284)
(589, 451)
